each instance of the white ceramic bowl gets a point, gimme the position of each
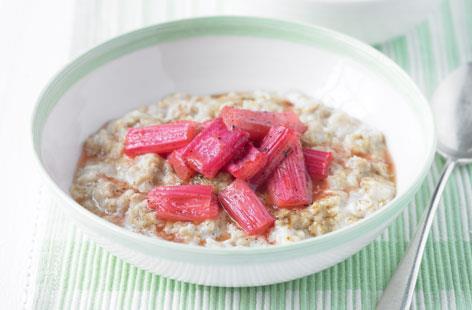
(372, 21)
(208, 55)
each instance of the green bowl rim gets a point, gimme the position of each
(299, 33)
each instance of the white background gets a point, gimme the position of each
(34, 43)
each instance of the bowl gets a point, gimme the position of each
(372, 21)
(216, 54)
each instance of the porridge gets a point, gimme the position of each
(235, 169)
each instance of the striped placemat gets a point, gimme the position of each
(75, 273)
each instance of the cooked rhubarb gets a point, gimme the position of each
(249, 164)
(277, 145)
(183, 202)
(214, 147)
(290, 186)
(258, 123)
(317, 163)
(159, 138)
(183, 171)
(245, 208)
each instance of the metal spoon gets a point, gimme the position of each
(452, 109)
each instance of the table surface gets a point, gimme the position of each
(46, 263)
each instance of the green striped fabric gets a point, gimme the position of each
(76, 273)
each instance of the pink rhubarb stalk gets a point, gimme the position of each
(159, 139)
(245, 208)
(277, 145)
(317, 163)
(290, 186)
(183, 202)
(214, 147)
(258, 123)
(249, 164)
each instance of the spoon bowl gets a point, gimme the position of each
(452, 109)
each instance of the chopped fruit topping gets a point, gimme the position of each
(183, 171)
(159, 138)
(290, 186)
(258, 123)
(214, 147)
(245, 208)
(183, 202)
(277, 145)
(249, 164)
(317, 163)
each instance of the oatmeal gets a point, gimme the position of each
(316, 171)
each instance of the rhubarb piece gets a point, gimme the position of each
(249, 164)
(317, 163)
(183, 202)
(245, 208)
(159, 138)
(258, 123)
(290, 186)
(183, 171)
(214, 147)
(277, 145)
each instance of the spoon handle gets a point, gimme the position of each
(399, 291)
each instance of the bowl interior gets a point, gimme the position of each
(325, 65)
